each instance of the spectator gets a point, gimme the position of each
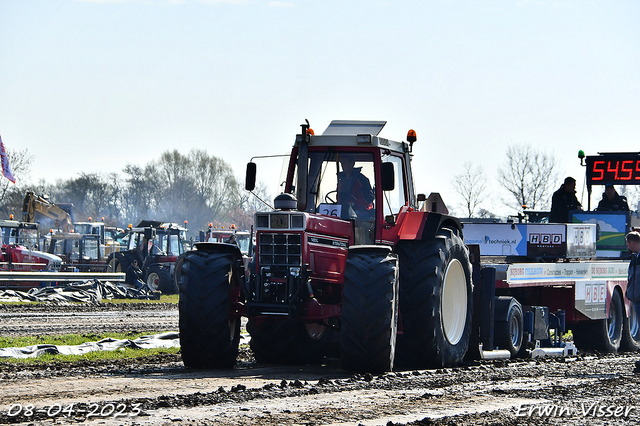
(612, 201)
(134, 275)
(564, 200)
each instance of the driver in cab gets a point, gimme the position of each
(353, 187)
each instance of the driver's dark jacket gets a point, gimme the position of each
(357, 185)
(633, 286)
(561, 203)
(618, 203)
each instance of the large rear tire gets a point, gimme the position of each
(631, 331)
(209, 336)
(603, 335)
(436, 302)
(369, 311)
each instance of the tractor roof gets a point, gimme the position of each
(17, 224)
(352, 133)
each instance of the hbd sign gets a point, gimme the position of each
(545, 239)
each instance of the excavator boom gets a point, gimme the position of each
(35, 203)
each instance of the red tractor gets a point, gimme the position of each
(347, 265)
(20, 252)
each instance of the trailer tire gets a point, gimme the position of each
(509, 325)
(209, 335)
(631, 331)
(604, 335)
(284, 342)
(369, 311)
(436, 301)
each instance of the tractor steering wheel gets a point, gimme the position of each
(349, 196)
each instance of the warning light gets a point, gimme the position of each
(411, 136)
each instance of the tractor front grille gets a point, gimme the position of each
(280, 250)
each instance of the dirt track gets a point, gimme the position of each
(587, 389)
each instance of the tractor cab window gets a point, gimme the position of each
(174, 247)
(90, 250)
(395, 199)
(158, 244)
(342, 184)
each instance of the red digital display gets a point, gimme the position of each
(621, 169)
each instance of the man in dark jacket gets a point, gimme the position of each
(563, 201)
(354, 187)
(133, 275)
(612, 201)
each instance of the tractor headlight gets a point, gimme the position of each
(294, 272)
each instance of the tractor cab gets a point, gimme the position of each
(351, 174)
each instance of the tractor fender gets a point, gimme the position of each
(425, 225)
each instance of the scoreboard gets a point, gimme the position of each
(613, 168)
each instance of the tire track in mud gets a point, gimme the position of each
(25, 320)
(487, 393)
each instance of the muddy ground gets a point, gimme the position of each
(586, 389)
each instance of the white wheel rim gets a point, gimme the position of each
(514, 329)
(153, 281)
(454, 302)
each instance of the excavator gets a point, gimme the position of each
(82, 246)
(36, 203)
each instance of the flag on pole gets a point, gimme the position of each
(6, 169)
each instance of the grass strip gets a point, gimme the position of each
(77, 339)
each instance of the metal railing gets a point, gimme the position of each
(66, 277)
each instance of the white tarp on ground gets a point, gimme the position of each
(162, 340)
(85, 291)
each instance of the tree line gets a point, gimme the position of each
(196, 187)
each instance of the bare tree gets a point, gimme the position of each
(471, 186)
(529, 175)
(20, 162)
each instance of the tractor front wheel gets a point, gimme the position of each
(369, 311)
(209, 335)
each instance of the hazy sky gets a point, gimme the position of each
(89, 86)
